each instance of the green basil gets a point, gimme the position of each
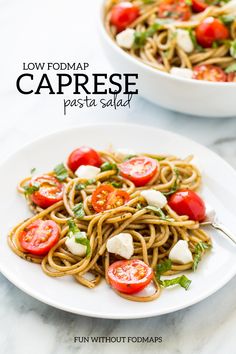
(231, 68)
(116, 184)
(163, 267)
(194, 40)
(200, 248)
(107, 166)
(140, 38)
(78, 211)
(81, 186)
(30, 189)
(233, 49)
(227, 19)
(61, 172)
(159, 212)
(79, 238)
(32, 170)
(176, 183)
(183, 281)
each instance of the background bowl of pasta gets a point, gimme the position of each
(184, 51)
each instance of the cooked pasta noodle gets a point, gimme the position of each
(153, 236)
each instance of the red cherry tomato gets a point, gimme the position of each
(106, 197)
(209, 73)
(123, 14)
(39, 237)
(100, 197)
(176, 9)
(231, 77)
(199, 6)
(210, 30)
(117, 199)
(140, 170)
(129, 276)
(187, 202)
(50, 191)
(83, 156)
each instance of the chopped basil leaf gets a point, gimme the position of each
(140, 38)
(231, 68)
(147, 2)
(73, 228)
(194, 39)
(162, 268)
(107, 166)
(32, 170)
(198, 252)
(79, 238)
(30, 189)
(79, 211)
(176, 183)
(232, 49)
(159, 212)
(61, 172)
(183, 281)
(81, 186)
(188, 2)
(215, 44)
(227, 19)
(128, 157)
(139, 206)
(116, 184)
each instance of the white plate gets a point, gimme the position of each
(214, 271)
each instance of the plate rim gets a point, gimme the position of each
(29, 291)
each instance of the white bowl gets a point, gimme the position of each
(201, 98)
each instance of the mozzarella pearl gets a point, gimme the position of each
(154, 198)
(180, 253)
(122, 245)
(87, 172)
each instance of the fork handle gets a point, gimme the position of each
(225, 231)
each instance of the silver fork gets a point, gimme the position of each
(212, 220)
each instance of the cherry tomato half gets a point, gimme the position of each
(140, 170)
(83, 156)
(106, 197)
(176, 9)
(209, 73)
(123, 14)
(117, 199)
(129, 276)
(50, 191)
(187, 202)
(39, 237)
(199, 5)
(210, 30)
(231, 77)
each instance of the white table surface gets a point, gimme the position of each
(67, 31)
